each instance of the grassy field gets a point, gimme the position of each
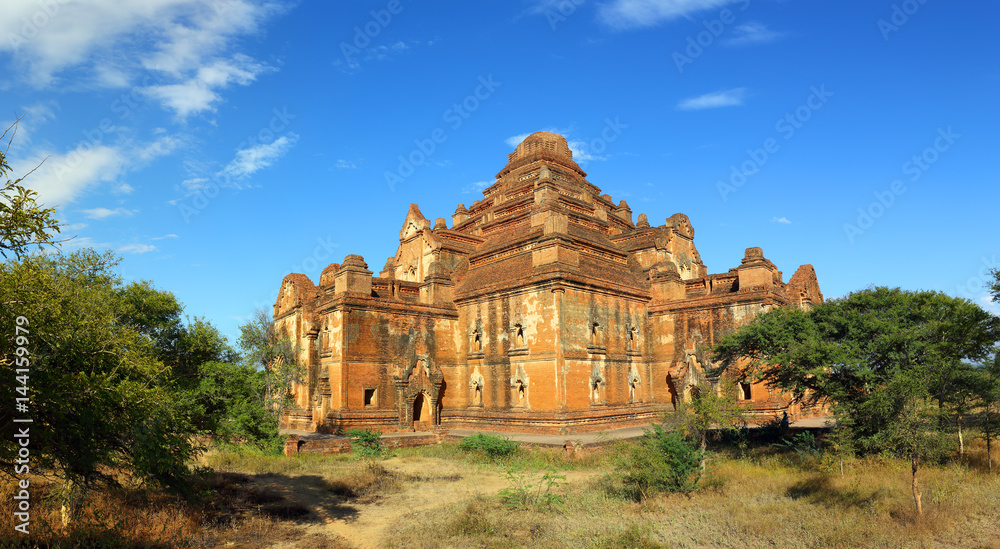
(441, 496)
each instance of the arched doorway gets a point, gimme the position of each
(421, 412)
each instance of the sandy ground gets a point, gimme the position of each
(436, 484)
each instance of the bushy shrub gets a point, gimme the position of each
(526, 491)
(660, 462)
(367, 443)
(495, 447)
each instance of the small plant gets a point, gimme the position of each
(526, 492)
(367, 443)
(807, 448)
(495, 447)
(660, 462)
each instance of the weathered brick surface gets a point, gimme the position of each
(543, 308)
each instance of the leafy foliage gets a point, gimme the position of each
(871, 354)
(266, 349)
(889, 361)
(660, 462)
(367, 443)
(23, 223)
(708, 409)
(100, 396)
(526, 491)
(493, 446)
(230, 402)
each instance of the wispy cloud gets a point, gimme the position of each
(579, 147)
(727, 98)
(104, 213)
(252, 159)
(753, 33)
(628, 14)
(63, 177)
(783, 220)
(987, 302)
(136, 248)
(515, 140)
(352, 61)
(108, 39)
(346, 164)
(476, 187)
(582, 153)
(200, 92)
(171, 235)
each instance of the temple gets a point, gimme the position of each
(541, 308)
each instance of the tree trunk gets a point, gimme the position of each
(961, 441)
(916, 490)
(989, 454)
(704, 446)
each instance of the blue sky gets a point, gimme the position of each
(218, 145)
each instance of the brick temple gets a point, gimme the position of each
(544, 307)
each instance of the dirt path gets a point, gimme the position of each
(431, 484)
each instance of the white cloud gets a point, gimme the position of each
(136, 248)
(61, 178)
(752, 33)
(251, 159)
(476, 187)
(627, 14)
(346, 164)
(104, 213)
(350, 61)
(783, 220)
(989, 304)
(75, 227)
(727, 98)
(195, 184)
(124, 188)
(200, 92)
(515, 140)
(171, 235)
(581, 151)
(580, 148)
(109, 38)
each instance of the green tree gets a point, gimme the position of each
(272, 352)
(987, 391)
(231, 405)
(661, 461)
(24, 224)
(709, 408)
(99, 403)
(884, 358)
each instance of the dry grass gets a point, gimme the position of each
(439, 496)
(231, 511)
(766, 501)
